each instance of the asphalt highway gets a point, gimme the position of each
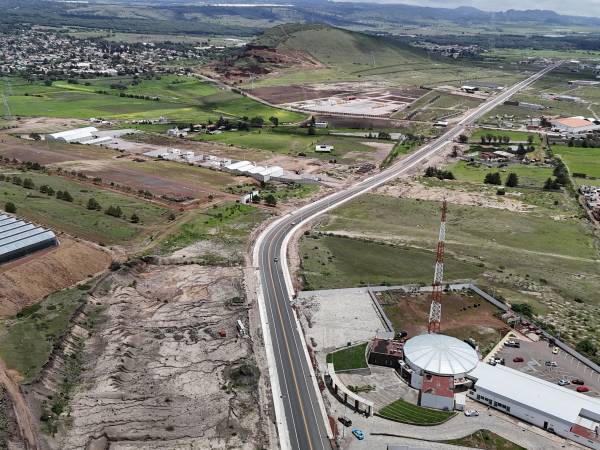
(303, 417)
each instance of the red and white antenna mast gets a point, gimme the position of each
(435, 311)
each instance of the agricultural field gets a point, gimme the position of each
(182, 99)
(466, 316)
(74, 218)
(349, 358)
(404, 412)
(293, 142)
(581, 160)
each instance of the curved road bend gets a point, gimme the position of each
(301, 422)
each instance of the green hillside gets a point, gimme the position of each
(353, 56)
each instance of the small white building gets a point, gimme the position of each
(247, 198)
(269, 172)
(321, 124)
(323, 148)
(557, 409)
(79, 134)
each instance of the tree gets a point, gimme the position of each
(114, 211)
(256, 198)
(521, 150)
(66, 196)
(135, 218)
(493, 178)
(10, 207)
(50, 191)
(28, 183)
(311, 130)
(93, 205)
(274, 120)
(523, 308)
(271, 200)
(586, 346)
(551, 185)
(512, 180)
(257, 122)
(463, 139)
(530, 139)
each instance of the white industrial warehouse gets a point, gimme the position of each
(557, 409)
(19, 238)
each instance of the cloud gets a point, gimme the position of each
(588, 8)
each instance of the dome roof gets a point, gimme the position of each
(440, 355)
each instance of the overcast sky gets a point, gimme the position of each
(569, 7)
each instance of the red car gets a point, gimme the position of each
(583, 389)
(518, 359)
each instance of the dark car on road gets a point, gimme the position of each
(577, 381)
(345, 421)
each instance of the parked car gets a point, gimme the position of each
(500, 361)
(563, 382)
(555, 351)
(551, 363)
(358, 433)
(276, 259)
(471, 412)
(345, 421)
(577, 381)
(583, 389)
(513, 343)
(518, 359)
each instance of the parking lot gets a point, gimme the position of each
(535, 355)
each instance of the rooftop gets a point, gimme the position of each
(387, 347)
(438, 385)
(440, 354)
(573, 122)
(551, 399)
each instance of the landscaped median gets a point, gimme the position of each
(404, 412)
(349, 358)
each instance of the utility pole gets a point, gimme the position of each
(435, 311)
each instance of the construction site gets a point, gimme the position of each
(396, 357)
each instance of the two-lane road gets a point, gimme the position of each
(301, 424)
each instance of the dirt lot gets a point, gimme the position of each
(463, 316)
(535, 355)
(287, 94)
(28, 280)
(157, 374)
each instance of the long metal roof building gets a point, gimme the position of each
(19, 238)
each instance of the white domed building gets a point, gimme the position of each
(436, 364)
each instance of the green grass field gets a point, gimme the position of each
(26, 340)
(230, 223)
(74, 218)
(332, 262)
(581, 160)
(182, 99)
(535, 251)
(290, 142)
(349, 358)
(485, 440)
(404, 412)
(530, 176)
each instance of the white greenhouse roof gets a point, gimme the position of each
(549, 398)
(72, 135)
(17, 234)
(440, 355)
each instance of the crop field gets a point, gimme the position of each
(529, 176)
(581, 160)
(349, 358)
(181, 98)
(538, 251)
(291, 142)
(466, 315)
(438, 105)
(404, 412)
(74, 217)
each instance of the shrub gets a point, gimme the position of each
(10, 207)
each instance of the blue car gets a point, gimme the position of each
(358, 433)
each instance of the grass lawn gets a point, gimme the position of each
(230, 223)
(349, 358)
(26, 340)
(74, 218)
(281, 191)
(529, 175)
(290, 142)
(486, 440)
(331, 262)
(581, 160)
(404, 412)
(181, 99)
